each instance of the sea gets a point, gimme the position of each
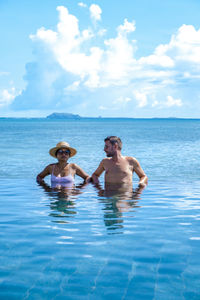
(84, 243)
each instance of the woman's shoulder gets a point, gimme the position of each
(50, 167)
(73, 166)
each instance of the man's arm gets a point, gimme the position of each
(98, 172)
(140, 173)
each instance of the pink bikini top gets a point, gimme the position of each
(65, 181)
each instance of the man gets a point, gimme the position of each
(118, 169)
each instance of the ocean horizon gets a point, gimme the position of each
(100, 117)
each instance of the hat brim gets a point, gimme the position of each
(52, 151)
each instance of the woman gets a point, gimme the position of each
(62, 173)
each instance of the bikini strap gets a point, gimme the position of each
(52, 173)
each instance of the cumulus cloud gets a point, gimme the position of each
(183, 47)
(173, 102)
(7, 96)
(84, 71)
(95, 12)
(126, 27)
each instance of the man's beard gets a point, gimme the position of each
(109, 154)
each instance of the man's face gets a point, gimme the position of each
(109, 149)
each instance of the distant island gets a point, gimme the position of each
(70, 116)
(63, 116)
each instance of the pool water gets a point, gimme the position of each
(75, 244)
(90, 243)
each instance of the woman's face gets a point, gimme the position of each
(63, 154)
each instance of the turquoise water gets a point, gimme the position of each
(85, 244)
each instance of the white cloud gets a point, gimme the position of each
(141, 98)
(68, 26)
(81, 4)
(86, 69)
(7, 96)
(127, 27)
(183, 47)
(157, 60)
(73, 87)
(65, 45)
(99, 68)
(48, 36)
(95, 12)
(102, 32)
(119, 58)
(173, 102)
(186, 44)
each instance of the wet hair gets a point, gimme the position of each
(61, 148)
(114, 140)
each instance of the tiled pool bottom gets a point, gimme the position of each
(86, 246)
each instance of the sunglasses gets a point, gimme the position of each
(67, 152)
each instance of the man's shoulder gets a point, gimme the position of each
(105, 160)
(131, 160)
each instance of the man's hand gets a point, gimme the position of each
(95, 179)
(88, 179)
(142, 184)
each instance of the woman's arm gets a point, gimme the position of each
(44, 173)
(81, 173)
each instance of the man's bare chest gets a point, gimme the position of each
(118, 168)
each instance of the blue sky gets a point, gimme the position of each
(131, 58)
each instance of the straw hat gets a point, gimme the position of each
(60, 145)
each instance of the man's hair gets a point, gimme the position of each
(114, 140)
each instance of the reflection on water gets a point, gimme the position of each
(119, 191)
(117, 199)
(62, 200)
(117, 244)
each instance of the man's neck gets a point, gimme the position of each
(117, 157)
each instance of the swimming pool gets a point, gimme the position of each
(78, 244)
(86, 243)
